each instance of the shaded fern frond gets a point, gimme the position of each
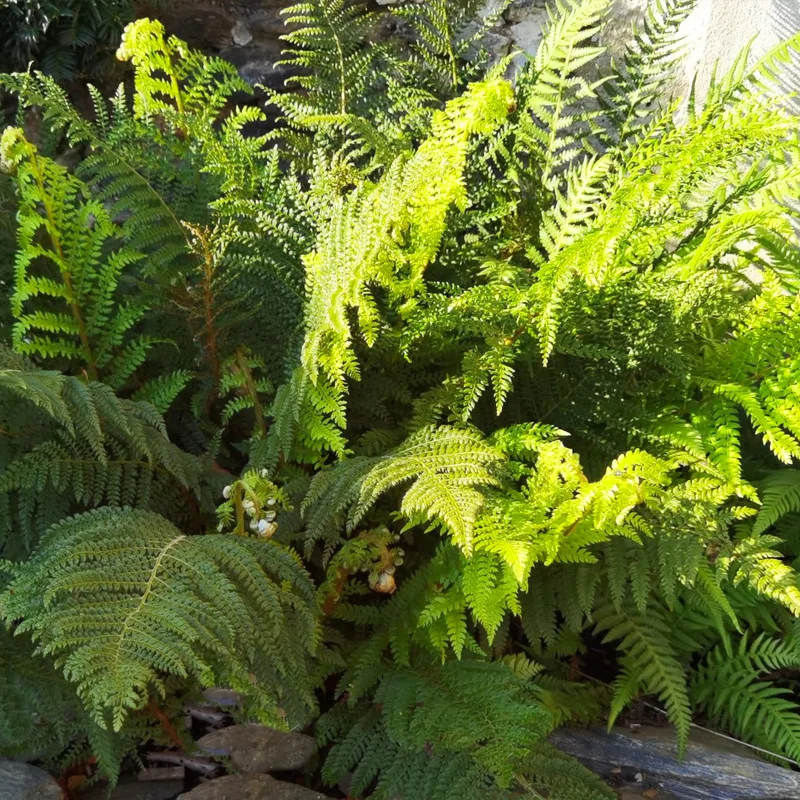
(636, 92)
(416, 721)
(121, 599)
(649, 664)
(735, 691)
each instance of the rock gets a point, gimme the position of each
(241, 34)
(132, 789)
(492, 8)
(256, 748)
(520, 10)
(497, 44)
(710, 770)
(251, 787)
(162, 774)
(527, 34)
(21, 781)
(222, 697)
(204, 27)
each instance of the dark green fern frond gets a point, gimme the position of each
(433, 718)
(38, 708)
(734, 692)
(66, 446)
(780, 493)
(650, 664)
(547, 769)
(121, 599)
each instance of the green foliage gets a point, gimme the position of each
(727, 686)
(512, 364)
(68, 445)
(418, 718)
(63, 37)
(66, 253)
(121, 599)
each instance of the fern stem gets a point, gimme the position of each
(157, 713)
(91, 366)
(450, 52)
(252, 391)
(527, 786)
(145, 595)
(335, 595)
(208, 313)
(176, 88)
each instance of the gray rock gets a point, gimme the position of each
(222, 697)
(21, 781)
(133, 789)
(251, 787)
(256, 748)
(710, 770)
(241, 34)
(520, 10)
(528, 33)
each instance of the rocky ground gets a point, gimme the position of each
(251, 762)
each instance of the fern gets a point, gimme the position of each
(650, 663)
(415, 722)
(70, 445)
(122, 599)
(730, 691)
(77, 272)
(447, 467)
(329, 41)
(550, 125)
(781, 496)
(637, 92)
(515, 397)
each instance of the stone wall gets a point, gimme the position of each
(246, 32)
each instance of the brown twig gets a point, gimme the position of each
(157, 713)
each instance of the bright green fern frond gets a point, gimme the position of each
(754, 561)
(446, 468)
(170, 77)
(68, 267)
(386, 234)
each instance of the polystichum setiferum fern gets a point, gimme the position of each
(508, 363)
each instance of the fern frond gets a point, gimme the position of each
(121, 599)
(780, 492)
(729, 690)
(65, 234)
(446, 467)
(635, 94)
(650, 664)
